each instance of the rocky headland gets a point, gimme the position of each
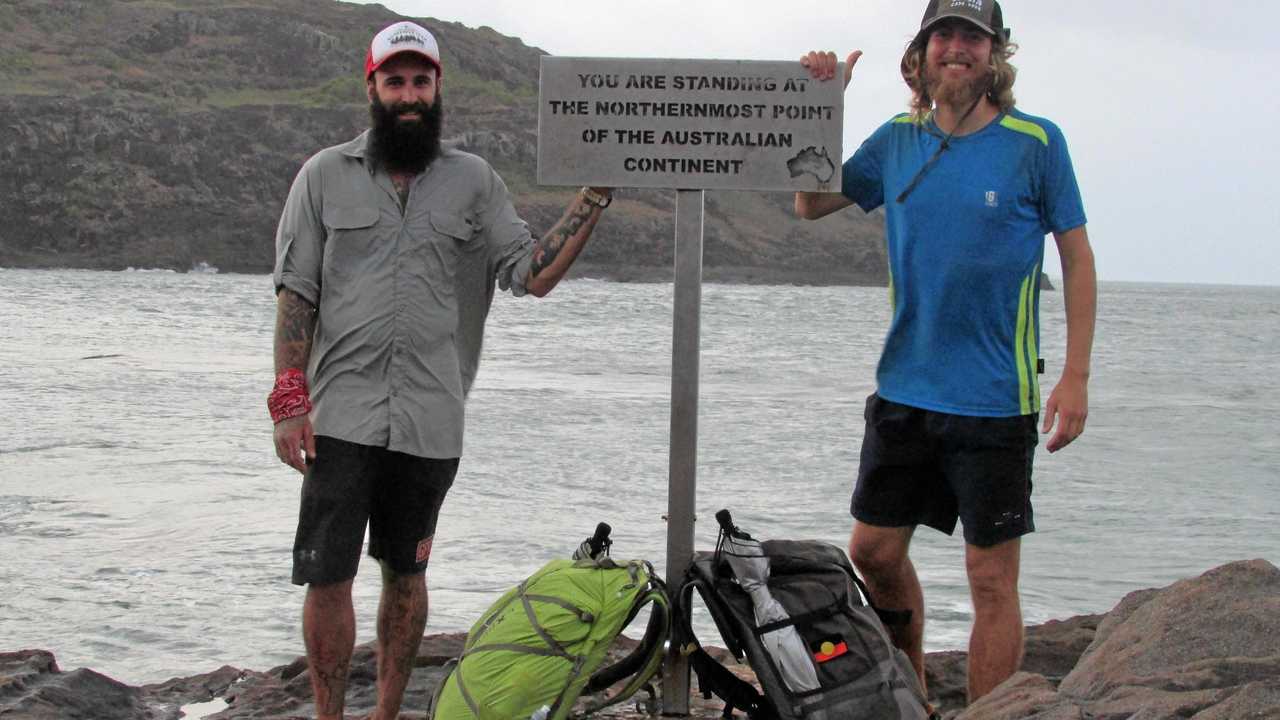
(166, 133)
(1206, 648)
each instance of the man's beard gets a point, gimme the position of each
(406, 145)
(955, 93)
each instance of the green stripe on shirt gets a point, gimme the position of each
(1026, 127)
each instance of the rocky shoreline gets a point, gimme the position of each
(1206, 648)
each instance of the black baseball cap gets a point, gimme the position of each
(983, 13)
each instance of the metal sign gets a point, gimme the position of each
(688, 124)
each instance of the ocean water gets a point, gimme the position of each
(146, 526)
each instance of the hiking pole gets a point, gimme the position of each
(595, 546)
(600, 542)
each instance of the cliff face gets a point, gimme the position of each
(165, 133)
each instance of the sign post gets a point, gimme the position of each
(689, 125)
(683, 472)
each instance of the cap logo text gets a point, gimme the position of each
(407, 37)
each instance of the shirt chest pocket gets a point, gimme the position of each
(350, 238)
(449, 227)
(448, 245)
(347, 219)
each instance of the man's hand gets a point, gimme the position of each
(295, 443)
(822, 65)
(1068, 406)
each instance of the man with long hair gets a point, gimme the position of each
(970, 186)
(387, 254)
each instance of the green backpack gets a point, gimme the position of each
(539, 647)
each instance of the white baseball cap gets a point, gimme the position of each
(398, 38)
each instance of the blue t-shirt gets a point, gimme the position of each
(965, 252)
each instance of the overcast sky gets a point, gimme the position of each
(1170, 109)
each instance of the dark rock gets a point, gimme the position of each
(1025, 695)
(19, 669)
(199, 688)
(946, 679)
(1259, 700)
(33, 688)
(1052, 650)
(437, 650)
(1205, 647)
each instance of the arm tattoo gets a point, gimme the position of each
(549, 247)
(295, 326)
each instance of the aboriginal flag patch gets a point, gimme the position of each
(829, 649)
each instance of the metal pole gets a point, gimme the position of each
(682, 485)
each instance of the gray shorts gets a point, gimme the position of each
(351, 486)
(920, 467)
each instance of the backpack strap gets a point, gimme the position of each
(713, 677)
(737, 694)
(894, 618)
(449, 668)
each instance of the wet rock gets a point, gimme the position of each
(195, 689)
(33, 688)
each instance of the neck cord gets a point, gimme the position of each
(946, 143)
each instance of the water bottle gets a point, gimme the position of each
(541, 713)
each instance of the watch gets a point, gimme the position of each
(595, 198)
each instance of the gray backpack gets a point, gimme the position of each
(795, 610)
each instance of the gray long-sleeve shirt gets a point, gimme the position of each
(402, 297)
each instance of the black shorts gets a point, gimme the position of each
(349, 486)
(920, 467)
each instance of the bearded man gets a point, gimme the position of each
(971, 186)
(387, 254)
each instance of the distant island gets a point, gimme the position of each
(166, 133)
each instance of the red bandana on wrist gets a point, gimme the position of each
(289, 398)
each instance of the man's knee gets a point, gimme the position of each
(330, 591)
(993, 573)
(327, 601)
(879, 552)
(392, 577)
(873, 560)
